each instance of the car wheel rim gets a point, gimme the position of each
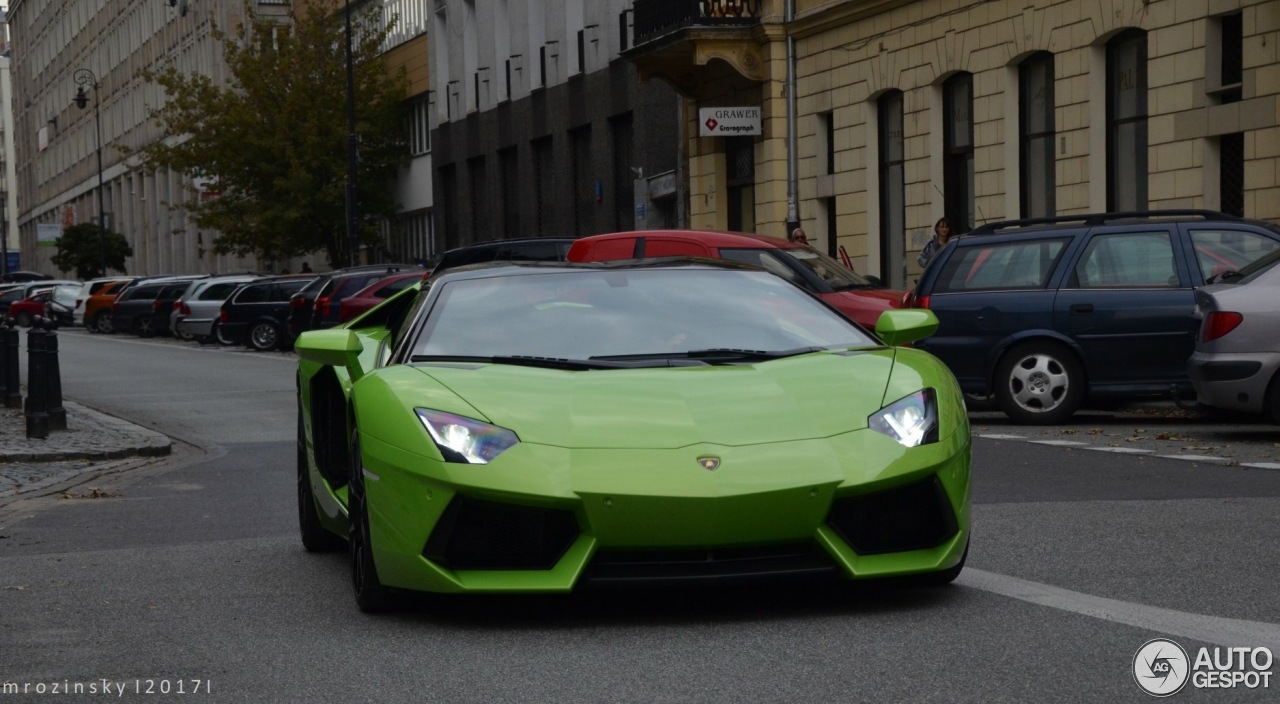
(264, 336)
(1039, 383)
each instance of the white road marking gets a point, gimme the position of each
(1210, 629)
(1198, 458)
(1261, 465)
(1002, 437)
(1057, 443)
(1122, 450)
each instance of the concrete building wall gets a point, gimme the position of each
(850, 53)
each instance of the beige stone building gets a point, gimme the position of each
(906, 111)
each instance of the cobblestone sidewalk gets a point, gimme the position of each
(93, 442)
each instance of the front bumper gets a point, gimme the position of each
(545, 519)
(1234, 382)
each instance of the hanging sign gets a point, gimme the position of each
(729, 122)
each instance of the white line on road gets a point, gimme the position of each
(996, 436)
(1122, 450)
(1057, 443)
(1209, 629)
(1198, 458)
(1260, 465)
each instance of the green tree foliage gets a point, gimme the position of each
(274, 141)
(80, 250)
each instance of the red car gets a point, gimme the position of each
(375, 293)
(25, 310)
(862, 298)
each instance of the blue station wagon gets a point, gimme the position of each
(1042, 314)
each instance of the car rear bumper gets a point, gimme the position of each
(200, 327)
(1234, 382)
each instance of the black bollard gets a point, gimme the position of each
(12, 372)
(37, 409)
(57, 414)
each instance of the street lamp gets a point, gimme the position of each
(353, 200)
(84, 77)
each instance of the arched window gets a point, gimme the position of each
(1036, 135)
(893, 188)
(1127, 121)
(958, 192)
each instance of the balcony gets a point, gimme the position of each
(677, 41)
(657, 18)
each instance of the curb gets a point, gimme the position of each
(92, 436)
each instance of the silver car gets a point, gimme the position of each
(196, 315)
(1237, 352)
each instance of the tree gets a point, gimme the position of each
(80, 250)
(274, 139)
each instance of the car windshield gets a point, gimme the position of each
(602, 314)
(836, 275)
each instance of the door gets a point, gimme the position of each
(1127, 301)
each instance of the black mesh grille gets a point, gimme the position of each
(789, 560)
(484, 535)
(912, 517)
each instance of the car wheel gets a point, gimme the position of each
(104, 323)
(221, 337)
(182, 333)
(264, 337)
(370, 595)
(315, 538)
(1039, 383)
(24, 320)
(145, 326)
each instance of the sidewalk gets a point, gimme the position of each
(92, 442)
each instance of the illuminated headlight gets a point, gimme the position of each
(912, 421)
(465, 440)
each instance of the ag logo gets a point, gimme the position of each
(709, 463)
(711, 124)
(1161, 667)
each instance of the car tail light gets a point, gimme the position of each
(184, 308)
(155, 306)
(1219, 323)
(222, 315)
(297, 302)
(114, 307)
(322, 305)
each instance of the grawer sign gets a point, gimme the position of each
(729, 122)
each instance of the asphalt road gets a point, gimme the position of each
(190, 574)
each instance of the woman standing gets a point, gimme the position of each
(941, 234)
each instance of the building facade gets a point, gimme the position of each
(906, 111)
(541, 126)
(103, 46)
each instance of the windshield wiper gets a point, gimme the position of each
(741, 355)
(521, 361)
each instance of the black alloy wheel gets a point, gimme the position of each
(315, 538)
(145, 326)
(104, 323)
(370, 595)
(264, 336)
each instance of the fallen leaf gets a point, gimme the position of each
(1069, 432)
(1167, 436)
(1095, 431)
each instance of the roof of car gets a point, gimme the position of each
(1095, 219)
(714, 238)
(526, 268)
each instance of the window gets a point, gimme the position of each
(1220, 251)
(1225, 76)
(219, 292)
(1036, 135)
(1011, 265)
(1127, 121)
(958, 191)
(1139, 259)
(419, 126)
(827, 140)
(1231, 173)
(893, 188)
(253, 294)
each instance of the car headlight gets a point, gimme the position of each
(464, 439)
(912, 421)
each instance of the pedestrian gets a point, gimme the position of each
(797, 235)
(941, 234)
(306, 268)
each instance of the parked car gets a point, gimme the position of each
(539, 427)
(91, 287)
(61, 305)
(25, 290)
(144, 309)
(1044, 314)
(24, 277)
(198, 311)
(257, 314)
(97, 307)
(25, 311)
(530, 249)
(862, 298)
(317, 304)
(1236, 365)
(375, 293)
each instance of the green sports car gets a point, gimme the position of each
(534, 427)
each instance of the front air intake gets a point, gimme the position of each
(915, 516)
(486, 535)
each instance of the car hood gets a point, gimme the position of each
(810, 396)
